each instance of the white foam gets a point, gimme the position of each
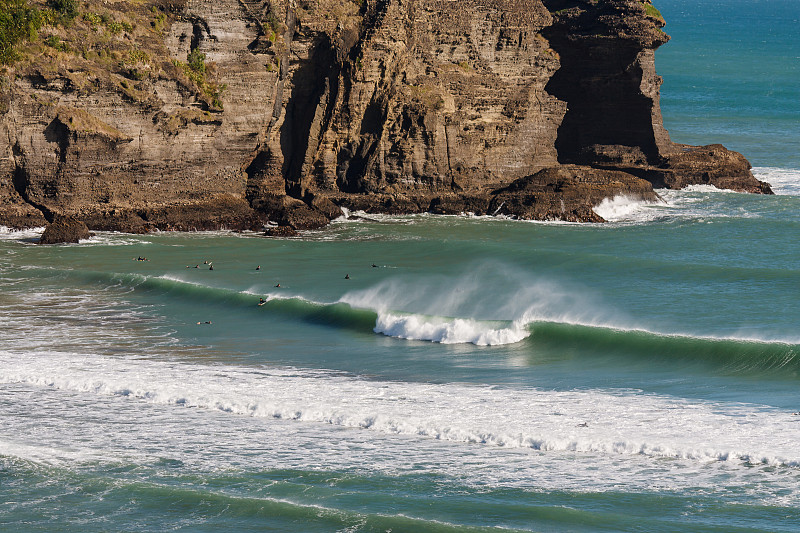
(10, 234)
(113, 238)
(706, 188)
(627, 423)
(784, 181)
(447, 331)
(177, 279)
(625, 208)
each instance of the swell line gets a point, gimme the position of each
(542, 329)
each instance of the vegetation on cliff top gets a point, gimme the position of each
(98, 44)
(651, 11)
(18, 22)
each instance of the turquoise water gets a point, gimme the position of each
(486, 373)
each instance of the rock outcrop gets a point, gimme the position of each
(64, 229)
(202, 114)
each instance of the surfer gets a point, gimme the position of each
(210, 266)
(258, 267)
(347, 276)
(278, 286)
(206, 322)
(374, 265)
(261, 301)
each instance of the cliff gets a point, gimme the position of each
(200, 114)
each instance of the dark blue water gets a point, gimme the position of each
(732, 76)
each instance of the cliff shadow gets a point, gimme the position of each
(606, 109)
(355, 160)
(308, 111)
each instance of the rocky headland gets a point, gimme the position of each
(205, 114)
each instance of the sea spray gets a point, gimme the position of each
(625, 208)
(784, 181)
(488, 304)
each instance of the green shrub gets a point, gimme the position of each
(18, 22)
(136, 64)
(195, 70)
(114, 27)
(68, 9)
(138, 56)
(53, 41)
(272, 22)
(196, 61)
(92, 18)
(160, 19)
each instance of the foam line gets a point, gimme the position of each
(584, 421)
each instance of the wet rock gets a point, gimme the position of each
(298, 215)
(568, 192)
(711, 165)
(458, 205)
(281, 231)
(64, 229)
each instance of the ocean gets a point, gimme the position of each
(437, 373)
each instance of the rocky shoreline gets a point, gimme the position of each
(200, 114)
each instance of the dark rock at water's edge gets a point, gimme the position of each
(568, 192)
(281, 231)
(64, 229)
(238, 114)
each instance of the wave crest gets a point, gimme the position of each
(453, 331)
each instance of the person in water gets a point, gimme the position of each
(261, 301)
(278, 286)
(210, 266)
(347, 276)
(258, 267)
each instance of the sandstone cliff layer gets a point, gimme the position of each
(200, 114)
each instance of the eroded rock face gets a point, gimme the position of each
(301, 107)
